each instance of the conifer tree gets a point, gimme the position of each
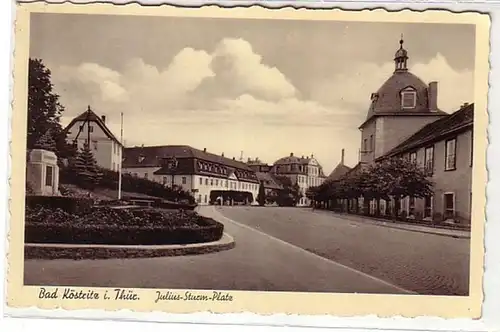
(261, 197)
(46, 142)
(85, 168)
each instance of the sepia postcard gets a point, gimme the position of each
(273, 161)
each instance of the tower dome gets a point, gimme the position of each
(403, 93)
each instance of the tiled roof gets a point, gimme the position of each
(151, 156)
(292, 160)
(89, 115)
(387, 100)
(269, 180)
(338, 172)
(463, 118)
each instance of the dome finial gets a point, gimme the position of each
(401, 57)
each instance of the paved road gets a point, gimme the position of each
(423, 263)
(260, 261)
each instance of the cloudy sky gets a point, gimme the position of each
(264, 87)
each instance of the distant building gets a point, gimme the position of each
(304, 171)
(263, 171)
(105, 147)
(340, 170)
(209, 177)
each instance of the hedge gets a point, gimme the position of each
(106, 225)
(65, 203)
(131, 183)
(119, 235)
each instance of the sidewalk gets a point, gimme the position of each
(461, 234)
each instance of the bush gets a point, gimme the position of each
(65, 203)
(120, 227)
(131, 183)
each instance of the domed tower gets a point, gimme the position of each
(400, 107)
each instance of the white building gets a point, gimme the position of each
(106, 148)
(209, 177)
(304, 171)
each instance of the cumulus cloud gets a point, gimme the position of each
(232, 87)
(353, 87)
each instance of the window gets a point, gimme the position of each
(145, 175)
(184, 180)
(428, 207)
(199, 198)
(206, 198)
(201, 181)
(91, 129)
(217, 182)
(226, 183)
(450, 154)
(49, 176)
(449, 205)
(164, 180)
(211, 182)
(413, 157)
(408, 99)
(206, 182)
(371, 142)
(95, 145)
(365, 142)
(429, 160)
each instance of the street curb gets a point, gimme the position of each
(404, 227)
(102, 251)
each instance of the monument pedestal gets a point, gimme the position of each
(42, 172)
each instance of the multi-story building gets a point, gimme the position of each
(400, 107)
(106, 148)
(304, 171)
(444, 149)
(266, 178)
(209, 177)
(404, 120)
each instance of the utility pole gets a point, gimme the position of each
(121, 158)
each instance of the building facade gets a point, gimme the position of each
(106, 148)
(211, 178)
(444, 149)
(400, 107)
(404, 120)
(306, 172)
(266, 178)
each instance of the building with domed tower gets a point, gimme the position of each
(404, 120)
(400, 107)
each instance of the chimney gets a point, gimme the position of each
(222, 154)
(103, 118)
(234, 158)
(342, 157)
(204, 149)
(465, 105)
(291, 154)
(432, 94)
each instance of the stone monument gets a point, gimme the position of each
(42, 171)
